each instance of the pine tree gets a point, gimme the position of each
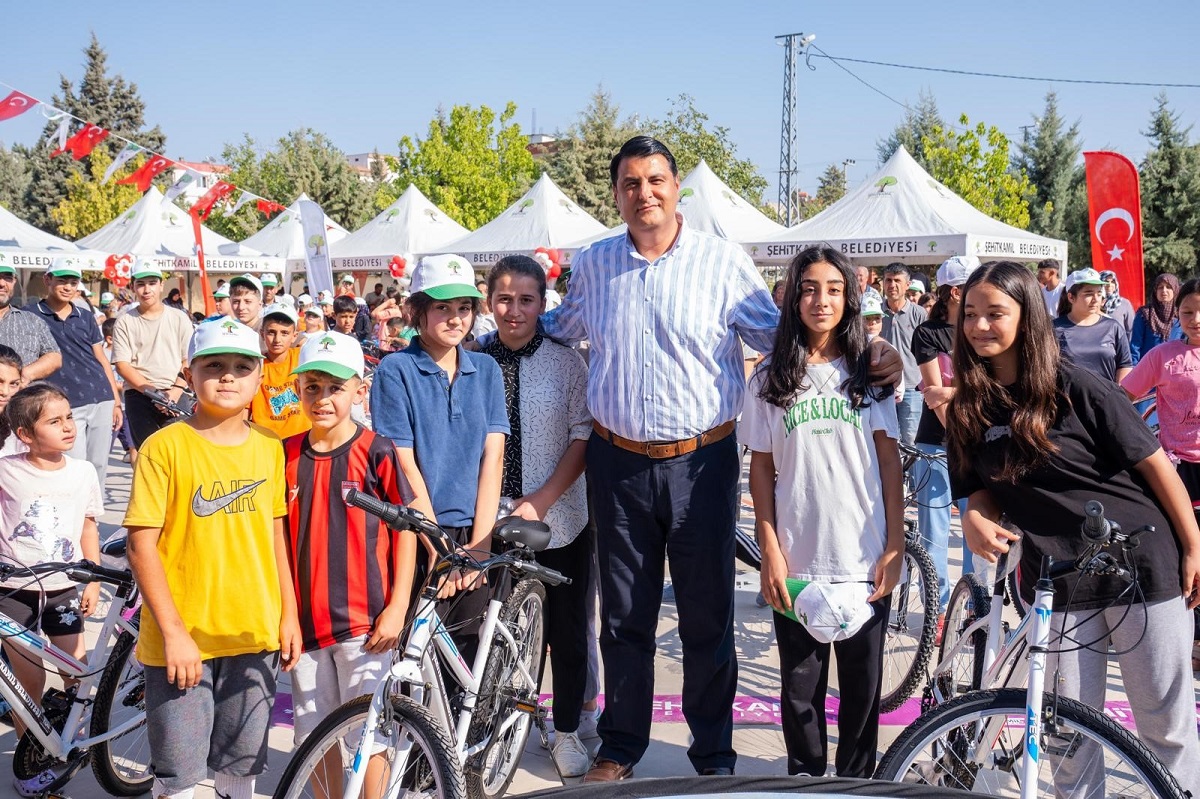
(580, 165)
(919, 122)
(14, 180)
(1049, 158)
(1170, 184)
(831, 186)
(109, 102)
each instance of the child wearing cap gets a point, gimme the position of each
(246, 300)
(221, 300)
(270, 286)
(353, 577)
(207, 546)
(443, 407)
(1087, 337)
(276, 405)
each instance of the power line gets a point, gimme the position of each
(997, 75)
(839, 65)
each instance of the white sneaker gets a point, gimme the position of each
(571, 757)
(35, 786)
(588, 719)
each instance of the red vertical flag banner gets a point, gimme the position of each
(210, 305)
(1115, 221)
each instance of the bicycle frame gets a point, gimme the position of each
(61, 745)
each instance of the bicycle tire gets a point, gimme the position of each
(1013, 592)
(489, 773)
(940, 748)
(969, 601)
(906, 652)
(435, 772)
(121, 764)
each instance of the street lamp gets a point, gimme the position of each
(847, 163)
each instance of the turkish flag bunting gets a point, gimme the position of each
(83, 142)
(268, 208)
(15, 104)
(147, 172)
(1115, 221)
(204, 205)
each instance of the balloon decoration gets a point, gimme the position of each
(550, 259)
(117, 269)
(398, 264)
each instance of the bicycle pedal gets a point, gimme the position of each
(530, 706)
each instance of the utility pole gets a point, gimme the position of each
(794, 44)
(847, 163)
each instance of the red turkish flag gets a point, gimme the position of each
(83, 142)
(1115, 221)
(204, 205)
(15, 104)
(147, 172)
(268, 208)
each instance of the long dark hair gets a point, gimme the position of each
(785, 370)
(941, 308)
(8, 357)
(977, 394)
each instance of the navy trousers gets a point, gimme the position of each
(683, 508)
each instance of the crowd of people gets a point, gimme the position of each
(630, 454)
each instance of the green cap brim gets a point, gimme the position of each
(452, 291)
(338, 370)
(66, 273)
(1090, 283)
(7, 270)
(226, 351)
(145, 275)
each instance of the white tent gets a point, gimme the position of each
(902, 214)
(710, 206)
(283, 236)
(412, 224)
(543, 217)
(162, 232)
(25, 247)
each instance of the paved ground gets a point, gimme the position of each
(757, 736)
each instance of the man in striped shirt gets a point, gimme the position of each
(663, 309)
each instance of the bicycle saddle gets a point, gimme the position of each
(531, 535)
(114, 547)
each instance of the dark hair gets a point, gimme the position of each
(9, 357)
(420, 303)
(520, 265)
(940, 312)
(1191, 286)
(926, 297)
(785, 370)
(640, 147)
(977, 393)
(280, 317)
(173, 293)
(107, 327)
(1049, 263)
(344, 304)
(199, 317)
(895, 268)
(26, 406)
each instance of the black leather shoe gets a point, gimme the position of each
(718, 771)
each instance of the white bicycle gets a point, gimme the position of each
(102, 718)
(1008, 741)
(413, 736)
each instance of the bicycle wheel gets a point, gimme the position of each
(969, 601)
(121, 764)
(1013, 593)
(911, 629)
(497, 720)
(419, 756)
(976, 743)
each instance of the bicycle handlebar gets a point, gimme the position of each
(1096, 529)
(81, 571)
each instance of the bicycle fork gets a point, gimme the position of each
(1039, 635)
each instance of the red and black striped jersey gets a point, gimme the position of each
(342, 558)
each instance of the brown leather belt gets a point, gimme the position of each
(665, 449)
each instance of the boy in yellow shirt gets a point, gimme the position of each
(276, 405)
(207, 546)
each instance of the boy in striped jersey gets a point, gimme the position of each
(353, 576)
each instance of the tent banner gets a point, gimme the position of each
(1000, 249)
(1115, 221)
(857, 248)
(362, 263)
(316, 248)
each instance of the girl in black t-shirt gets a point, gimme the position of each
(1033, 437)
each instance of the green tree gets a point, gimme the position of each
(687, 133)
(580, 165)
(90, 204)
(1170, 183)
(974, 164)
(831, 185)
(109, 102)
(1049, 158)
(472, 163)
(919, 122)
(303, 161)
(14, 180)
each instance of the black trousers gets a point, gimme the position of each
(683, 508)
(143, 418)
(804, 673)
(567, 627)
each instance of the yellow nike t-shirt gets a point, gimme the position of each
(217, 508)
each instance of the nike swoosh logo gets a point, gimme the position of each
(207, 507)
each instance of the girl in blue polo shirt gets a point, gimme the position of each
(443, 407)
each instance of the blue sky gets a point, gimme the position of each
(366, 73)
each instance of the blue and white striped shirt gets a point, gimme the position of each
(665, 361)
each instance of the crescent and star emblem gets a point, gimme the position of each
(18, 101)
(1114, 213)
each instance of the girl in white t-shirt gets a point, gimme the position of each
(10, 384)
(48, 508)
(826, 482)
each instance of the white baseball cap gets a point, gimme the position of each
(269, 279)
(107, 297)
(224, 335)
(445, 277)
(304, 299)
(221, 292)
(280, 309)
(916, 285)
(325, 298)
(871, 306)
(66, 266)
(832, 611)
(1083, 277)
(333, 353)
(955, 271)
(286, 299)
(145, 268)
(247, 280)
(347, 278)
